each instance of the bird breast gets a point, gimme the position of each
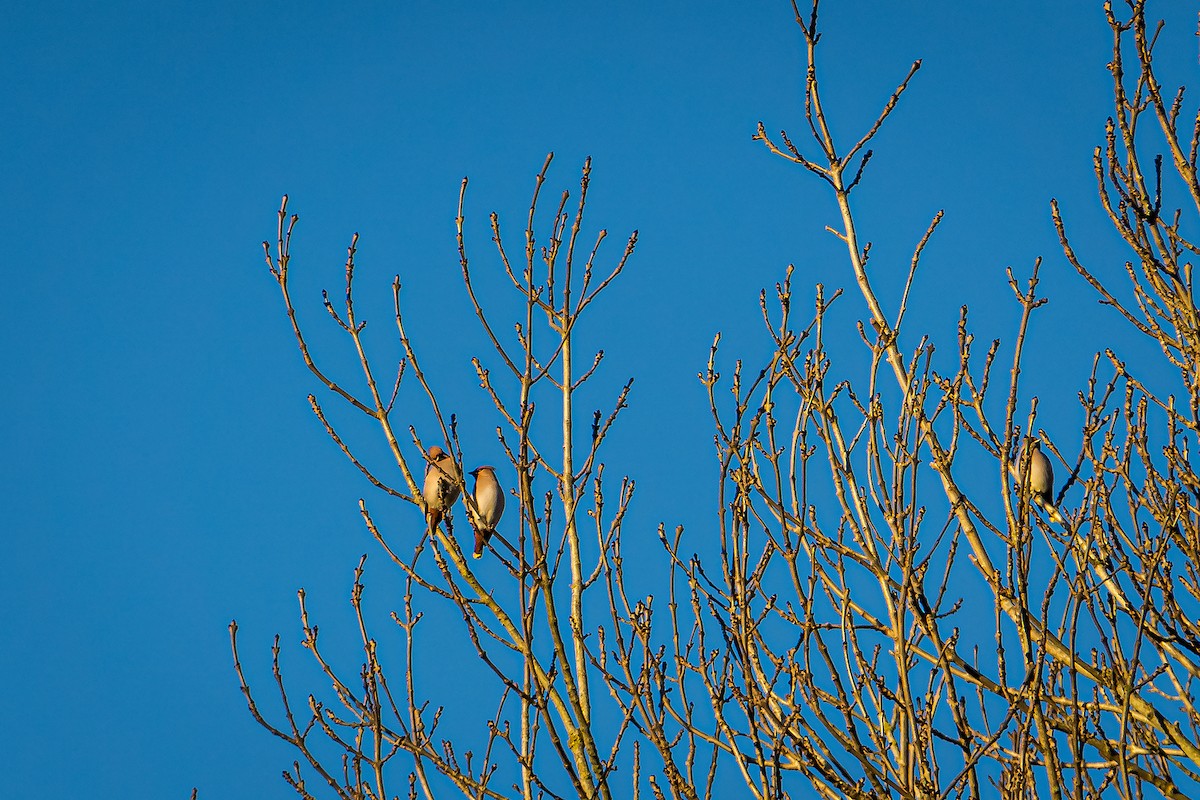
(490, 501)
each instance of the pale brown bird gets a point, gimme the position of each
(441, 485)
(489, 505)
(1041, 479)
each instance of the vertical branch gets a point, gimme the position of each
(566, 324)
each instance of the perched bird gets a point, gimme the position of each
(442, 480)
(1041, 479)
(489, 505)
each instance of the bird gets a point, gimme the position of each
(441, 487)
(489, 506)
(1041, 479)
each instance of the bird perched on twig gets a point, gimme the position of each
(1041, 479)
(489, 505)
(442, 480)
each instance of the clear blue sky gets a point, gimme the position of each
(162, 471)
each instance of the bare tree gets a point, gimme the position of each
(529, 634)
(822, 645)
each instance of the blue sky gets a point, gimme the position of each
(163, 471)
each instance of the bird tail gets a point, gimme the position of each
(481, 539)
(1052, 512)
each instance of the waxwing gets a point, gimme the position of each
(441, 485)
(1041, 479)
(489, 504)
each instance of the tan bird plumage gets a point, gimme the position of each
(489, 505)
(441, 485)
(1041, 480)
